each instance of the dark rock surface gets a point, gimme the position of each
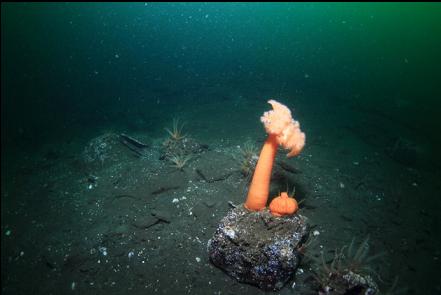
(257, 247)
(350, 283)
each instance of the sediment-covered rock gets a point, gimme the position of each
(257, 247)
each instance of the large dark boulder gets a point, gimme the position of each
(257, 247)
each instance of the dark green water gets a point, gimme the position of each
(62, 59)
(70, 71)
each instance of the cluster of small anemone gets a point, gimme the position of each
(174, 152)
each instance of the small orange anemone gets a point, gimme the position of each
(282, 130)
(283, 205)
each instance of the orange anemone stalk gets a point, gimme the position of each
(282, 130)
